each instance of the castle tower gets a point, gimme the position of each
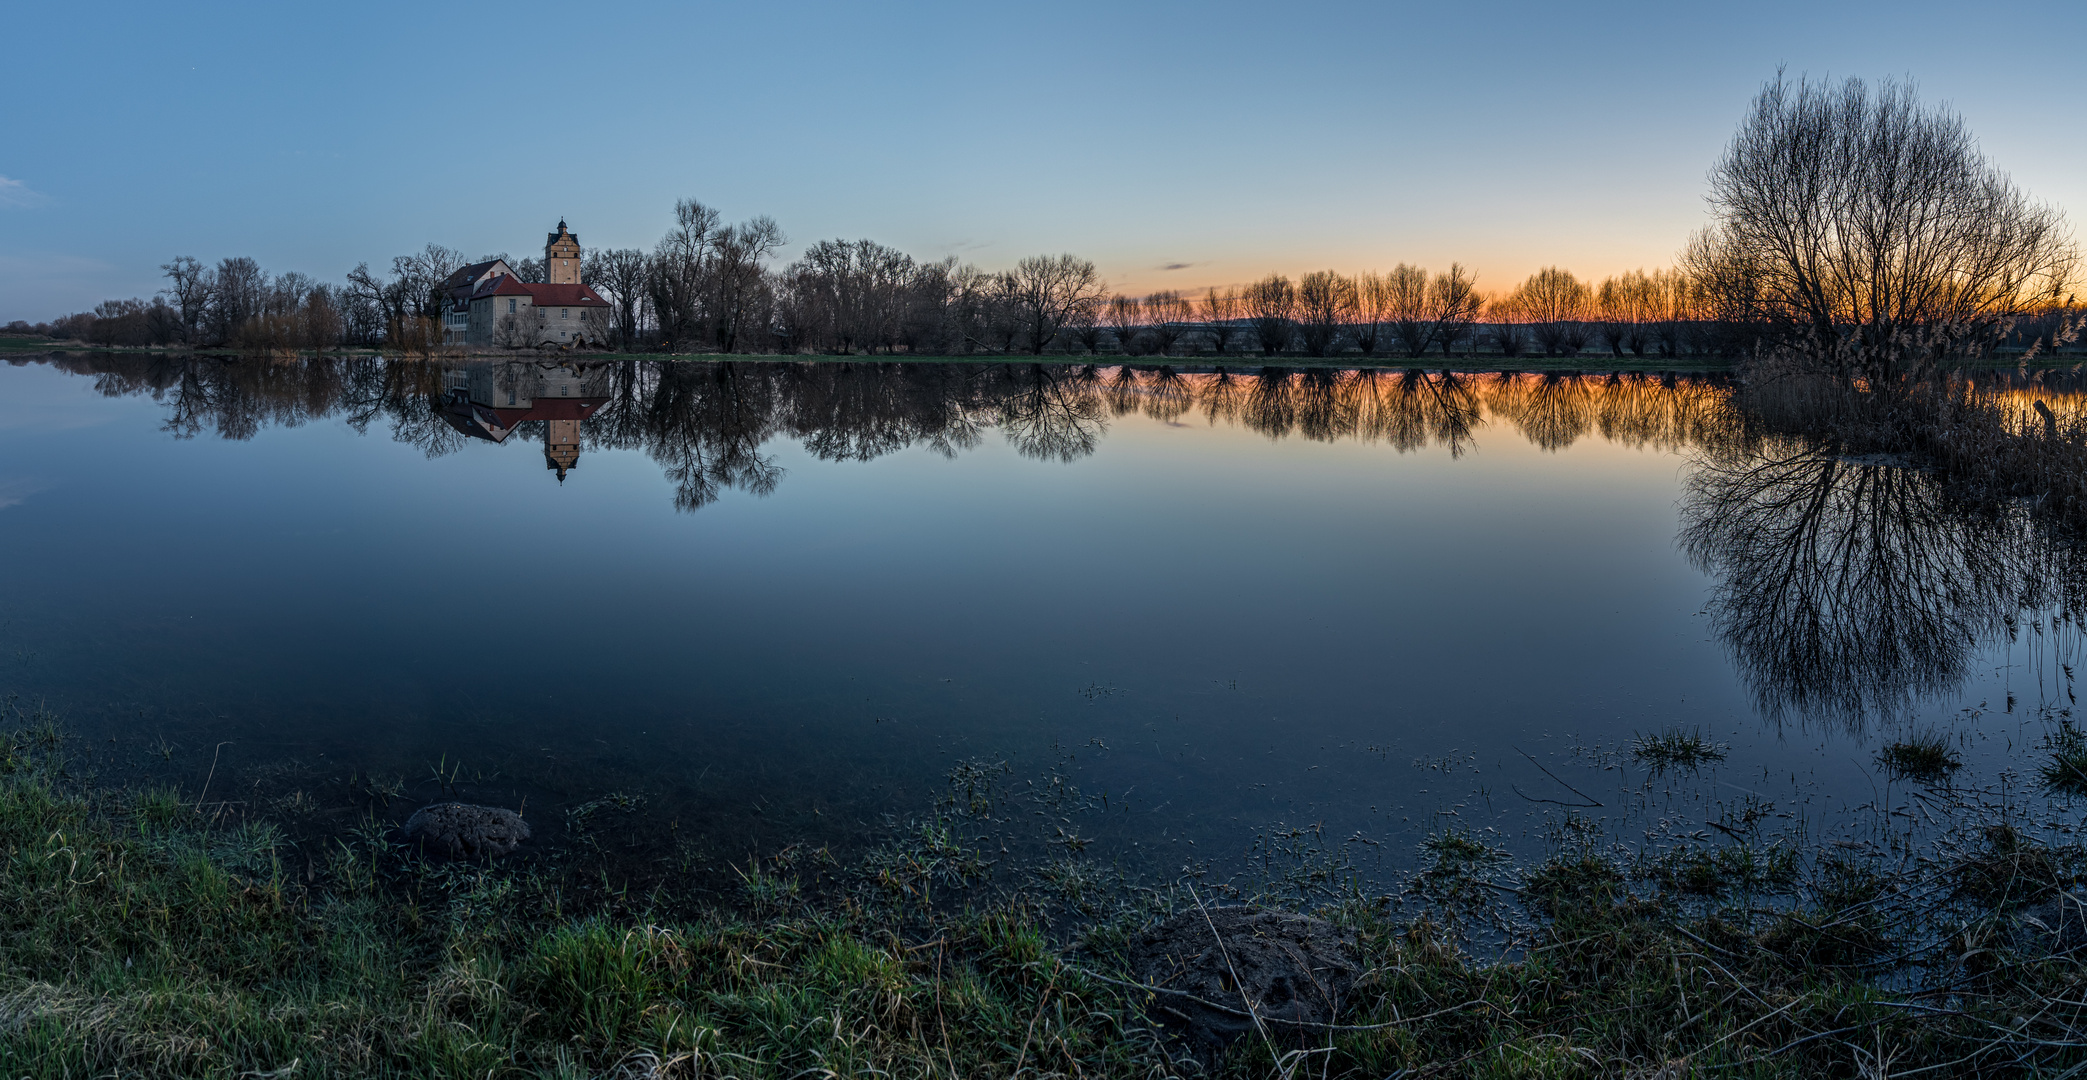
(561, 257)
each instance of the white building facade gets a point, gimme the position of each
(490, 307)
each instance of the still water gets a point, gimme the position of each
(753, 603)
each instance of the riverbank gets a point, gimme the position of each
(153, 931)
(1583, 363)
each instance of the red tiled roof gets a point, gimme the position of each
(541, 295)
(565, 296)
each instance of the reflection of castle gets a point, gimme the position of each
(488, 401)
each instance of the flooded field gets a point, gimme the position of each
(690, 610)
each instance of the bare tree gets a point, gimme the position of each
(1221, 318)
(423, 274)
(190, 287)
(1626, 305)
(741, 253)
(1372, 308)
(1510, 324)
(1456, 303)
(1126, 321)
(1409, 310)
(1167, 316)
(677, 282)
(1867, 235)
(621, 274)
(1326, 303)
(1558, 306)
(1270, 305)
(518, 330)
(1046, 290)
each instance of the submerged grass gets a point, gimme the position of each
(2066, 769)
(1926, 756)
(1676, 748)
(140, 937)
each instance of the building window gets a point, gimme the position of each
(562, 312)
(510, 305)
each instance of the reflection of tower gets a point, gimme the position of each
(489, 401)
(561, 445)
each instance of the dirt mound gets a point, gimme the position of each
(1214, 971)
(464, 831)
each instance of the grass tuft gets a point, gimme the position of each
(2066, 770)
(1676, 748)
(1926, 756)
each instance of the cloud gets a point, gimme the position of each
(16, 193)
(12, 492)
(1177, 266)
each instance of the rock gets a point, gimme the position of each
(2058, 925)
(1296, 972)
(464, 831)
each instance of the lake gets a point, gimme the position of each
(739, 605)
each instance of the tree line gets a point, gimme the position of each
(1992, 274)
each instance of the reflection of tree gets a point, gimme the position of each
(1847, 588)
(706, 424)
(1045, 413)
(1417, 407)
(405, 393)
(856, 412)
(1222, 397)
(1551, 410)
(1270, 406)
(1666, 413)
(1326, 404)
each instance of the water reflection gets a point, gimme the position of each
(1852, 588)
(1842, 587)
(490, 401)
(706, 423)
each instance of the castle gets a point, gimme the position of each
(490, 306)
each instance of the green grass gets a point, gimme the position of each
(2065, 771)
(139, 937)
(1926, 756)
(1676, 748)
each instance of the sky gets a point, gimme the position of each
(1177, 145)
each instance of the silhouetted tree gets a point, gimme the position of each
(1220, 312)
(1270, 305)
(1126, 321)
(1326, 303)
(1167, 316)
(1867, 235)
(1044, 291)
(1557, 305)
(1410, 309)
(1455, 303)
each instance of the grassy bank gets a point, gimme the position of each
(145, 933)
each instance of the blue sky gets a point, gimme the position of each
(1224, 139)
